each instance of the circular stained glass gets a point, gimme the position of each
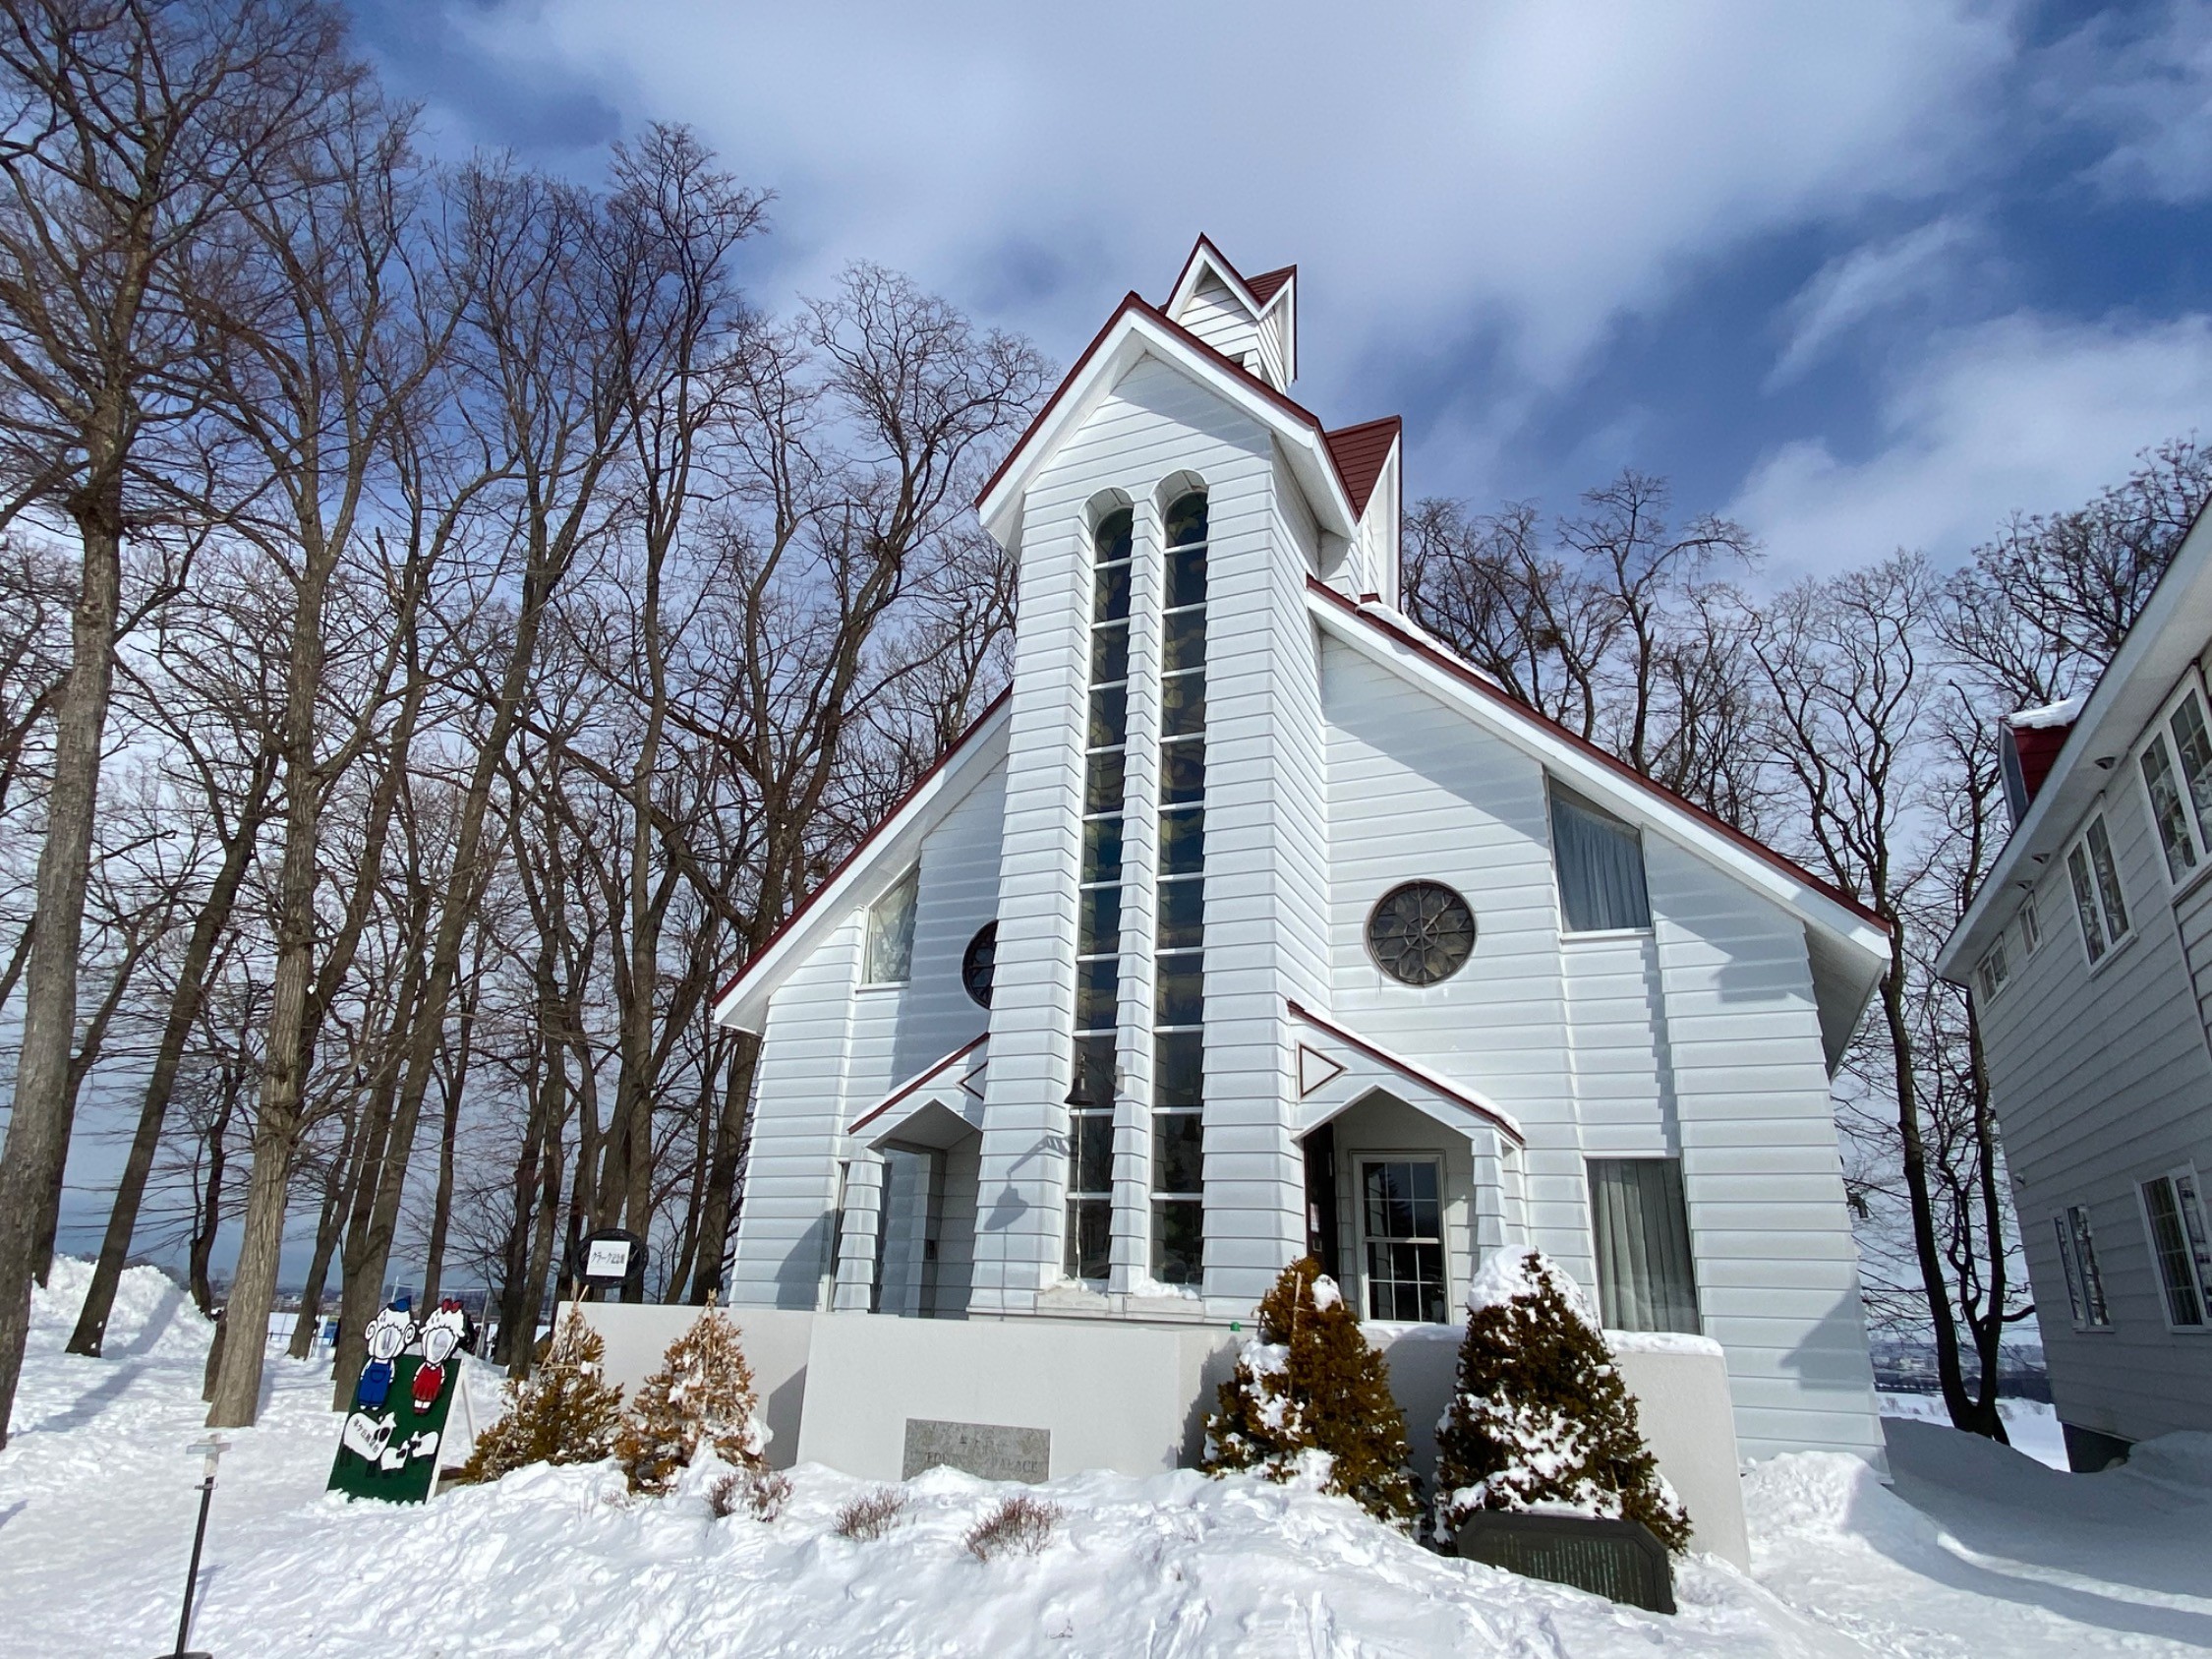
(1422, 933)
(975, 966)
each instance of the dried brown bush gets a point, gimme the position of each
(871, 1515)
(1021, 1526)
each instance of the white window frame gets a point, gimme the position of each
(1995, 970)
(2069, 1224)
(2099, 951)
(2188, 1196)
(2162, 738)
(2031, 926)
(911, 874)
(1360, 1158)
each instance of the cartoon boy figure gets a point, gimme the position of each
(442, 1332)
(388, 1334)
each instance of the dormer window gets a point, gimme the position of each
(1600, 865)
(890, 933)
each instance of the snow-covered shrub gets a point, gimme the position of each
(1540, 1418)
(1021, 1526)
(703, 1393)
(871, 1514)
(1311, 1398)
(760, 1493)
(562, 1413)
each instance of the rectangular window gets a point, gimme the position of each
(2085, 1283)
(1600, 865)
(2031, 926)
(2177, 767)
(1646, 1281)
(1402, 1225)
(2095, 880)
(890, 933)
(2174, 1213)
(1995, 967)
(2175, 833)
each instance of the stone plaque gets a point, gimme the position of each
(991, 1451)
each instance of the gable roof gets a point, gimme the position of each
(1268, 283)
(1607, 778)
(934, 793)
(1137, 329)
(1360, 452)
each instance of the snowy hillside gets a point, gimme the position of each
(1978, 1551)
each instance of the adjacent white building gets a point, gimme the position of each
(2089, 955)
(1252, 921)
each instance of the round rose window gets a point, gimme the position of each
(1421, 932)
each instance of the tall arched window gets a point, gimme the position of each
(1178, 1006)
(1098, 927)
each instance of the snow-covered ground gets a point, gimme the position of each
(1978, 1550)
(2031, 1424)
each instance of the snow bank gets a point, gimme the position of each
(1991, 1553)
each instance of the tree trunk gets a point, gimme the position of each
(184, 1013)
(211, 1217)
(441, 1208)
(39, 1123)
(718, 1211)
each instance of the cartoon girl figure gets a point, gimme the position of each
(442, 1332)
(388, 1333)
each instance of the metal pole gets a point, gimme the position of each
(212, 1448)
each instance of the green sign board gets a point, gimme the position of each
(395, 1428)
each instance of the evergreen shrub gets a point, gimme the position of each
(1540, 1418)
(1309, 1397)
(562, 1413)
(702, 1394)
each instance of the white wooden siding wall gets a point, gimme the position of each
(1417, 791)
(1617, 1029)
(2102, 1080)
(1020, 1168)
(1266, 873)
(956, 1229)
(1771, 1234)
(1218, 317)
(784, 1241)
(958, 893)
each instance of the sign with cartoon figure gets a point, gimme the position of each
(389, 1445)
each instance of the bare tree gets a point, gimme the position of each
(128, 130)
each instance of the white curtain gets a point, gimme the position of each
(1645, 1278)
(1601, 863)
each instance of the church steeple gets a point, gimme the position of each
(1253, 320)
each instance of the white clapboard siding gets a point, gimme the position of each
(786, 1224)
(1221, 320)
(1745, 1036)
(2102, 1080)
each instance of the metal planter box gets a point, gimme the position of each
(1618, 1559)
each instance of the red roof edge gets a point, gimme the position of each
(1498, 695)
(859, 847)
(1268, 283)
(1397, 1063)
(1360, 452)
(1135, 302)
(913, 1083)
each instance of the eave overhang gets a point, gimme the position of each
(1854, 933)
(1135, 331)
(870, 866)
(2160, 648)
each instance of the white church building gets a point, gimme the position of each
(1252, 922)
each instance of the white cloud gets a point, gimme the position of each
(2024, 413)
(1438, 171)
(2151, 95)
(1918, 266)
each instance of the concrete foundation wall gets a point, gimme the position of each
(840, 1387)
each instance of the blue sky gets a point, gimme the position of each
(1863, 277)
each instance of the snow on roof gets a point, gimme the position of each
(2065, 712)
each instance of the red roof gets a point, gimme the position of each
(1466, 676)
(1263, 285)
(1359, 452)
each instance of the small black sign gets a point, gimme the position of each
(611, 1260)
